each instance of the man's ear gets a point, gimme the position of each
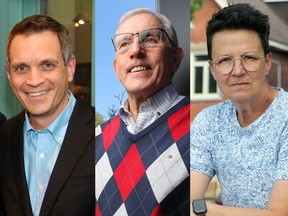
(115, 68)
(71, 68)
(177, 58)
(7, 69)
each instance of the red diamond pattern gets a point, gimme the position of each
(110, 131)
(157, 211)
(129, 172)
(97, 211)
(183, 127)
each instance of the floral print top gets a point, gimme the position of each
(247, 161)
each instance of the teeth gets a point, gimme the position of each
(138, 68)
(35, 94)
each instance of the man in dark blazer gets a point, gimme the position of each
(47, 151)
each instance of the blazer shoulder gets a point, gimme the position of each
(14, 122)
(82, 107)
(2, 118)
(83, 113)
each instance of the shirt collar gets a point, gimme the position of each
(58, 127)
(159, 102)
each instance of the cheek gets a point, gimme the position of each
(220, 79)
(119, 65)
(16, 82)
(162, 61)
(60, 81)
(168, 57)
(59, 76)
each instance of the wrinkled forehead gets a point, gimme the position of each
(138, 23)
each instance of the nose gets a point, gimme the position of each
(136, 49)
(34, 77)
(238, 68)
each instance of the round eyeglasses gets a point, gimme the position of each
(148, 38)
(225, 64)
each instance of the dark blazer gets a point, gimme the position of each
(71, 188)
(2, 118)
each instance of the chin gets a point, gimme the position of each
(240, 98)
(37, 112)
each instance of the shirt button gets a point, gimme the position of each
(40, 187)
(41, 155)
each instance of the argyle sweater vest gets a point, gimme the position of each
(145, 173)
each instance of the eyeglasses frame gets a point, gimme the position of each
(138, 33)
(235, 58)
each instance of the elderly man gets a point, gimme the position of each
(142, 154)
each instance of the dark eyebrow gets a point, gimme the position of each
(17, 65)
(54, 61)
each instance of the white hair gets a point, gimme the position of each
(166, 24)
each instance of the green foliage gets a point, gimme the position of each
(113, 110)
(99, 119)
(194, 6)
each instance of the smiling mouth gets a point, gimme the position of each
(35, 94)
(138, 68)
(237, 84)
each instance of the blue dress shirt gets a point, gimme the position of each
(41, 149)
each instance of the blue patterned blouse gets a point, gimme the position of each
(246, 160)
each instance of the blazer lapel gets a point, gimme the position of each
(16, 150)
(77, 137)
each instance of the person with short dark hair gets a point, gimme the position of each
(244, 140)
(48, 149)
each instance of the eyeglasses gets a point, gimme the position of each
(148, 38)
(225, 64)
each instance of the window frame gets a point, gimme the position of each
(205, 95)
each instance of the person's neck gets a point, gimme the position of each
(134, 104)
(41, 122)
(135, 100)
(248, 112)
